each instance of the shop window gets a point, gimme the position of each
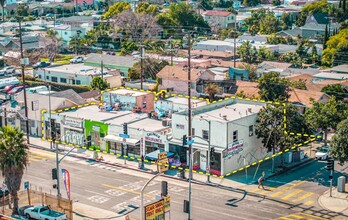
(63, 80)
(133, 150)
(78, 82)
(235, 136)
(251, 130)
(205, 134)
(54, 79)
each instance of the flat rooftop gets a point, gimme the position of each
(125, 118)
(79, 69)
(148, 124)
(231, 112)
(93, 113)
(126, 92)
(183, 101)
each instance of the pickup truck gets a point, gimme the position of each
(41, 65)
(44, 213)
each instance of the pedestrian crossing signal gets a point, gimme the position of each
(330, 164)
(184, 140)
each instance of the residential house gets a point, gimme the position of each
(219, 19)
(331, 76)
(68, 32)
(120, 63)
(36, 104)
(76, 74)
(238, 74)
(10, 2)
(340, 68)
(271, 66)
(316, 24)
(175, 79)
(79, 21)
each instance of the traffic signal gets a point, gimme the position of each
(125, 128)
(184, 140)
(53, 129)
(54, 174)
(330, 164)
(212, 150)
(164, 188)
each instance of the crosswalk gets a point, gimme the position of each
(39, 156)
(301, 215)
(287, 193)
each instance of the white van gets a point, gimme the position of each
(37, 89)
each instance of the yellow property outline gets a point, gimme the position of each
(312, 137)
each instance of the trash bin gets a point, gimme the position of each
(341, 183)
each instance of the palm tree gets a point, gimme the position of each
(212, 89)
(2, 3)
(13, 160)
(53, 45)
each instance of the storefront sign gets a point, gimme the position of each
(166, 203)
(72, 122)
(233, 149)
(162, 162)
(153, 137)
(96, 128)
(155, 211)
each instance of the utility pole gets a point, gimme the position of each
(142, 53)
(102, 66)
(189, 123)
(23, 78)
(234, 41)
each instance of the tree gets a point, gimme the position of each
(53, 45)
(137, 26)
(98, 83)
(116, 9)
(300, 84)
(339, 144)
(128, 47)
(336, 90)
(212, 89)
(251, 2)
(13, 160)
(276, 2)
(326, 37)
(247, 52)
(150, 68)
(324, 116)
(180, 16)
(263, 21)
(273, 87)
(252, 71)
(2, 3)
(336, 49)
(270, 129)
(22, 11)
(146, 8)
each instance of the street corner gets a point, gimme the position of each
(83, 211)
(337, 202)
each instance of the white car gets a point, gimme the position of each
(323, 153)
(77, 59)
(7, 70)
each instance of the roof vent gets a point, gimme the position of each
(224, 117)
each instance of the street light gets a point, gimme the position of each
(209, 148)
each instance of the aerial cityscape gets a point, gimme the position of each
(170, 109)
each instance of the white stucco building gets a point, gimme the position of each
(219, 19)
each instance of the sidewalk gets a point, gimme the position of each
(337, 203)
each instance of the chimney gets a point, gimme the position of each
(224, 117)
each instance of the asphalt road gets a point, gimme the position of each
(118, 190)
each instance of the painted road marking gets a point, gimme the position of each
(292, 194)
(174, 189)
(296, 216)
(115, 192)
(303, 197)
(126, 190)
(309, 203)
(285, 218)
(268, 190)
(98, 199)
(301, 215)
(313, 216)
(44, 154)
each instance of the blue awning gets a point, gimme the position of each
(154, 155)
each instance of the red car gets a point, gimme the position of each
(16, 90)
(8, 88)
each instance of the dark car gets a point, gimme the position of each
(16, 90)
(41, 65)
(8, 88)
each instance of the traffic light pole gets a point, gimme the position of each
(331, 179)
(57, 167)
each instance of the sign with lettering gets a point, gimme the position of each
(155, 211)
(163, 162)
(96, 128)
(166, 203)
(72, 122)
(153, 137)
(233, 149)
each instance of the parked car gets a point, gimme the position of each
(77, 59)
(43, 212)
(323, 153)
(16, 90)
(20, 214)
(7, 70)
(8, 88)
(41, 65)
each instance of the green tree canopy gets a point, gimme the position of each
(263, 21)
(147, 8)
(273, 87)
(116, 8)
(13, 160)
(336, 90)
(181, 16)
(98, 83)
(270, 127)
(324, 116)
(336, 51)
(151, 68)
(339, 144)
(247, 52)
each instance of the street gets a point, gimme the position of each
(117, 190)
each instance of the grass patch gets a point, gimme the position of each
(60, 59)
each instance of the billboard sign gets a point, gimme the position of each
(233, 149)
(155, 211)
